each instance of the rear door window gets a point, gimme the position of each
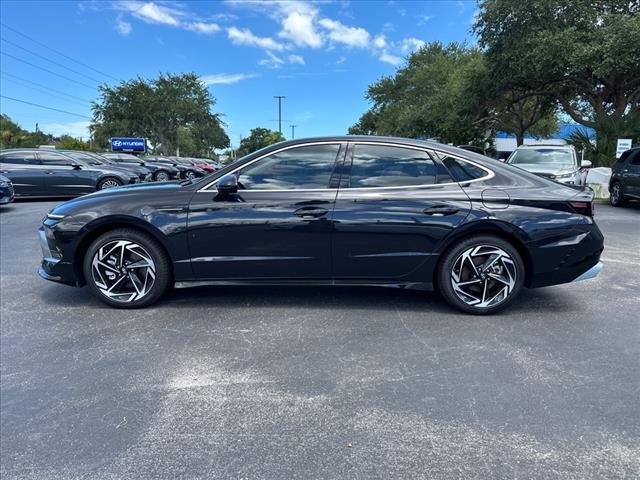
(18, 158)
(389, 166)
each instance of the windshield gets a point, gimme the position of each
(541, 156)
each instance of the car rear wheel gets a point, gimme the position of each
(109, 182)
(162, 176)
(126, 268)
(481, 275)
(190, 175)
(617, 195)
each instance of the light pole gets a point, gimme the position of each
(279, 97)
(293, 131)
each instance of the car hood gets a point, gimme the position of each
(118, 194)
(543, 169)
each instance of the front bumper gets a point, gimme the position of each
(591, 273)
(53, 267)
(6, 195)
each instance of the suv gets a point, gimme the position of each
(625, 178)
(556, 162)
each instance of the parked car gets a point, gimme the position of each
(343, 210)
(185, 168)
(90, 158)
(6, 190)
(161, 173)
(206, 166)
(50, 173)
(625, 178)
(556, 162)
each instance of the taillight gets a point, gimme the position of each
(583, 208)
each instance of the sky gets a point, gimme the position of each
(321, 55)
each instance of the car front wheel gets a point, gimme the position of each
(108, 182)
(162, 176)
(127, 268)
(481, 275)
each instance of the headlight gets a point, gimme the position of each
(3, 184)
(54, 216)
(565, 175)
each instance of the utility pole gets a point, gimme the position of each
(293, 131)
(279, 97)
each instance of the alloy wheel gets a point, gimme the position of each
(109, 183)
(162, 176)
(483, 276)
(123, 271)
(191, 175)
(615, 194)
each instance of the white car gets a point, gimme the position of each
(556, 162)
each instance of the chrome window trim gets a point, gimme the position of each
(489, 176)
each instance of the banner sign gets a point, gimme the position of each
(128, 145)
(624, 144)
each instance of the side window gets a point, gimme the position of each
(462, 171)
(385, 166)
(624, 156)
(54, 159)
(300, 168)
(18, 158)
(635, 159)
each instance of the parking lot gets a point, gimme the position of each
(311, 382)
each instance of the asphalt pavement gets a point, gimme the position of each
(308, 382)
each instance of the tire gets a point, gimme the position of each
(463, 285)
(190, 175)
(162, 176)
(140, 280)
(108, 182)
(617, 195)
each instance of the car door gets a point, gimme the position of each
(22, 168)
(277, 226)
(64, 176)
(393, 210)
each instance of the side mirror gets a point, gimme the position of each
(585, 164)
(228, 184)
(76, 166)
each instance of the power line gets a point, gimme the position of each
(44, 106)
(47, 70)
(44, 86)
(44, 90)
(49, 60)
(58, 52)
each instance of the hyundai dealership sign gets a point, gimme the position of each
(128, 145)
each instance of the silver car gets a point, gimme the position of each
(556, 162)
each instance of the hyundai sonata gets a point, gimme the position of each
(332, 211)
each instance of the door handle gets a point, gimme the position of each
(440, 210)
(310, 212)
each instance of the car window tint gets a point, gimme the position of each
(298, 168)
(18, 158)
(443, 174)
(635, 158)
(624, 156)
(54, 159)
(463, 171)
(385, 166)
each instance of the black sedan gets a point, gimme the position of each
(332, 211)
(161, 173)
(186, 169)
(50, 173)
(90, 158)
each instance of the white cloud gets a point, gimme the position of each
(273, 61)
(151, 12)
(351, 36)
(122, 27)
(225, 78)
(203, 27)
(411, 44)
(380, 41)
(246, 37)
(300, 29)
(293, 59)
(389, 58)
(75, 129)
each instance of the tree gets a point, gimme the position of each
(257, 139)
(583, 54)
(157, 109)
(67, 142)
(433, 95)
(519, 115)
(13, 135)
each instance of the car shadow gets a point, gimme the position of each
(316, 298)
